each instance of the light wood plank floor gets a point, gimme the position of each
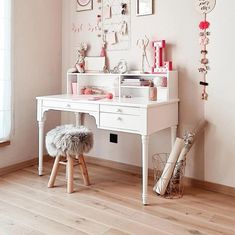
(111, 205)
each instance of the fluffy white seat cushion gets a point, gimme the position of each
(69, 140)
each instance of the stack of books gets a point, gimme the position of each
(131, 82)
(135, 82)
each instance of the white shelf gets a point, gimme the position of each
(123, 74)
(135, 87)
(112, 82)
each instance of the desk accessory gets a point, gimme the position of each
(80, 64)
(121, 67)
(160, 65)
(143, 44)
(152, 92)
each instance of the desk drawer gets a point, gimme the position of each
(120, 109)
(70, 105)
(120, 121)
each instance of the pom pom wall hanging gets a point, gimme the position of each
(204, 7)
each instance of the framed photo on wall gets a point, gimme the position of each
(84, 5)
(144, 7)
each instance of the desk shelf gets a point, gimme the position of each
(113, 83)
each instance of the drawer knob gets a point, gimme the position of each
(119, 119)
(119, 111)
(68, 105)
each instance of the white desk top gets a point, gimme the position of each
(134, 102)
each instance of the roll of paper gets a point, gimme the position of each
(189, 140)
(161, 185)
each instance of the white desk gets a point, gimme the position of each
(131, 115)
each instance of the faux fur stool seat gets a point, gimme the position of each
(71, 142)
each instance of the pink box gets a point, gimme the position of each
(74, 88)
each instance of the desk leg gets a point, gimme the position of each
(173, 135)
(79, 119)
(145, 142)
(40, 147)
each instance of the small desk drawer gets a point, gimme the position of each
(119, 109)
(70, 105)
(120, 121)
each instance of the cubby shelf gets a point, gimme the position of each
(111, 82)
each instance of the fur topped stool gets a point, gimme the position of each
(70, 142)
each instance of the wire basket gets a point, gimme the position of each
(175, 186)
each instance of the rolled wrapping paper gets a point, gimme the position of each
(178, 167)
(188, 142)
(161, 185)
(189, 139)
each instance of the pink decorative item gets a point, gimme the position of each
(80, 63)
(204, 25)
(109, 96)
(152, 92)
(203, 40)
(204, 7)
(88, 91)
(160, 65)
(164, 82)
(82, 91)
(74, 88)
(103, 52)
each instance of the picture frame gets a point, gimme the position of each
(84, 5)
(94, 64)
(144, 7)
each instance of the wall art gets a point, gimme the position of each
(144, 7)
(84, 5)
(204, 7)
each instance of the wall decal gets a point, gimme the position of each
(84, 5)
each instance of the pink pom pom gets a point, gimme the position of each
(204, 25)
(109, 96)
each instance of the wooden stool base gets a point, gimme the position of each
(69, 163)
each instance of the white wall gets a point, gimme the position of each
(37, 71)
(220, 108)
(178, 24)
(37, 67)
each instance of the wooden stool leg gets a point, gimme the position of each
(54, 172)
(84, 171)
(70, 170)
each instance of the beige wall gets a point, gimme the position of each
(37, 71)
(177, 23)
(220, 109)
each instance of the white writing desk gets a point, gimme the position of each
(131, 115)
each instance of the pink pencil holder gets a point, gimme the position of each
(74, 88)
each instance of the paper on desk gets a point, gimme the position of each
(88, 97)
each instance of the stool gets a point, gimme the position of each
(70, 142)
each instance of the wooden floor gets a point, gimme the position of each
(111, 205)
